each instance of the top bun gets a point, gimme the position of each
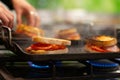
(68, 31)
(69, 34)
(51, 40)
(29, 30)
(103, 41)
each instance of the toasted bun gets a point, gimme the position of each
(61, 51)
(29, 30)
(69, 34)
(67, 31)
(51, 40)
(103, 41)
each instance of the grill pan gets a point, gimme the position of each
(17, 43)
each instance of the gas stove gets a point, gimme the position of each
(39, 70)
(32, 70)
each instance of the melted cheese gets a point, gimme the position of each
(104, 38)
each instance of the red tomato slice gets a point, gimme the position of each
(56, 47)
(98, 49)
(42, 46)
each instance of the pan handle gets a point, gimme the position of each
(8, 32)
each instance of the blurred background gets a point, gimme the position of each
(77, 11)
(102, 6)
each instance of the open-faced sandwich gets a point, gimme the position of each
(69, 34)
(45, 45)
(102, 43)
(29, 30)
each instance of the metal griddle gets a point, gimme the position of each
(18, 43)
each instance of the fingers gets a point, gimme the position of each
(4, 19)
(10, 18)
(33, 19)
(30, 19)
(6, 16)
(19, 17)
(37, 21)
(7, 19)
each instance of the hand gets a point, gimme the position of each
(6, 16)
(23, 8)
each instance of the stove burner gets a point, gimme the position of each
(103, 63)
(31, 64)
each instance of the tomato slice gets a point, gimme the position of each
(43, 46)
(56, 47)
(40, 46)
(99, 49)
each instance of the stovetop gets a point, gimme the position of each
(36, 72)
(28, 70)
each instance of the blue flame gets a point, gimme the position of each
(102, 64)
(38, 66)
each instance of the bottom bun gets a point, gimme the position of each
(90, 50)
(61, 51)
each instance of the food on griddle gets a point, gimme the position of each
(69, 34)
(45, 45)
(29, 30)
(102, 44)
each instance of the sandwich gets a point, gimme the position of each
(69, 34)
(102, 44)
(29, 30)
(45, 45)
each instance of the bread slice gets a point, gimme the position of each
(37, 52)
(102, 41)
(51, 40)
